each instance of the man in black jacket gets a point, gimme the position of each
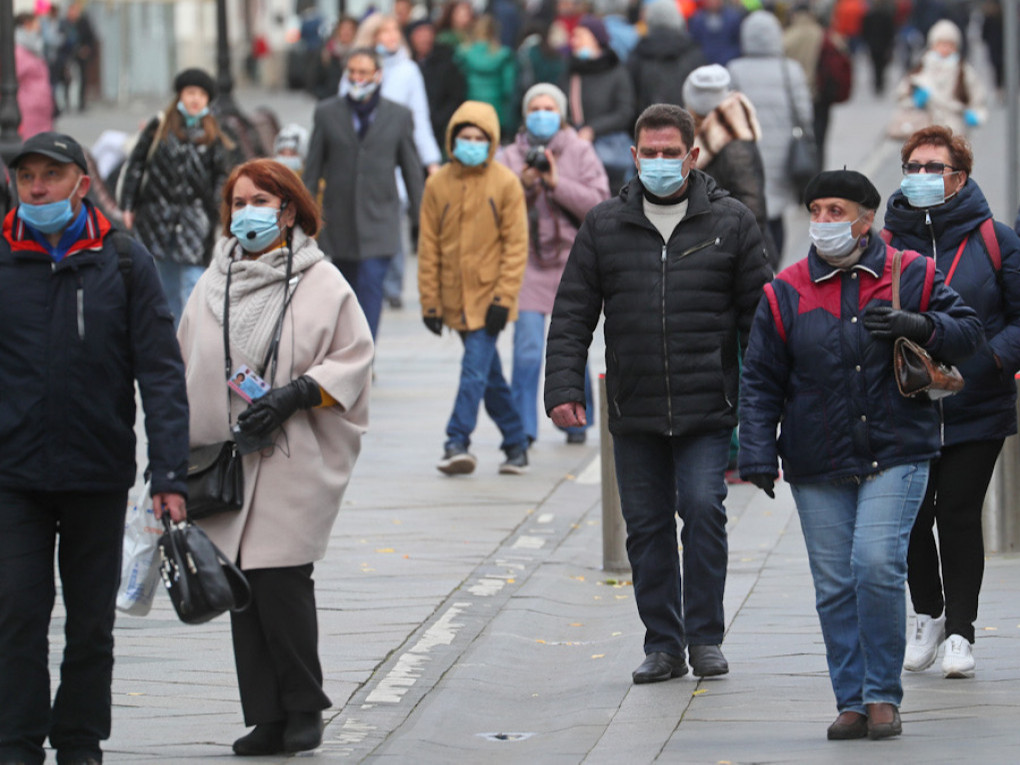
(678, 267)
(84, 318)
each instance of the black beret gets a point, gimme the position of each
(197, 77)
(844, 184)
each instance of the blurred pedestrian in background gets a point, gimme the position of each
(715, 26)
(563, 179)
(471, 259)
(291, 147)
(490, 70)
(940, 211)
(325, 81)
(359, 140)
(777, 87)
(455, 21)
(878, 30)
(171, 185)
(78, 53)
(445, 85)
(855, 451)
(35, 96)
(663, 58)
(296, 322)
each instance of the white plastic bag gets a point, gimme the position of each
(139, 571)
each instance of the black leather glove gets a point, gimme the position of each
(434, 324)
(415, 231)
(764, 482)
(269, 412)
(882, 321)
(495, 318)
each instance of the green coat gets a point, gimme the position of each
(491, 74)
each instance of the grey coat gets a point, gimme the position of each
(361, 206)
(758, 74)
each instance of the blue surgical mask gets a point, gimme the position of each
(191, 119)
(663, 177)
(952, 59)
(471, 153)
(383, 51)
(292, 161)
(362, 91)
(833, 239)
(923, 189)
(255, 227)
(51, 217)
(585, 54)
(542, 124)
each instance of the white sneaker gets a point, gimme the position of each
(958, 660)
(923, 645)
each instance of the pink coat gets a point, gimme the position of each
(35, 96)
(558, 213)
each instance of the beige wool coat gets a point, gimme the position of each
(292, 497)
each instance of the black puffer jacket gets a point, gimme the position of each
(174, 192)
(659, 65)
(673, 311)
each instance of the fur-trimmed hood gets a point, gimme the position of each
(733, 120)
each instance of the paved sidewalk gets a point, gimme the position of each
(468, 619)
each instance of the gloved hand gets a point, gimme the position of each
(764, 482)
(266, 414)
(884, 322)
(434, 324)
(415, 231)
(495, 318)
(920, 97)
(970, 117)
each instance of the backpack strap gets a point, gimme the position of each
(991, 241)
(122, 243)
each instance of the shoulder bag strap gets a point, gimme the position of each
(789, 96)
(897, 266)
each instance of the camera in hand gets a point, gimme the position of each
(536, 158)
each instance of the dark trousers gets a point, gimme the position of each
(956, 491)
(366, 279)
(276, 646)
(91, 532)
(660, 477)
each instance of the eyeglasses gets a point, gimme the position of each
(931, 168)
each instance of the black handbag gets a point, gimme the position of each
(802, 159)
(201, 582)
(915, 370)
(215, 480)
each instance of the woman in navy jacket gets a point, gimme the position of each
(819, 366)
(941, 212)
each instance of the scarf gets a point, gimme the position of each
(363, 111)
(256, 292)
(843, 262)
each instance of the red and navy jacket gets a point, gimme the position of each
(75, 335)
(812, 369)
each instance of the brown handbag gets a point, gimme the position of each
(915, 370)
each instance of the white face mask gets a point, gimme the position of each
(833, 239)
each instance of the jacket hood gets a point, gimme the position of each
(761, 35)
(951, 221)
(664, 44)
(479, 114)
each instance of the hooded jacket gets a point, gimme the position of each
(473, 240)
(659, 65)
(813, 370)
(675, 311)
(986, 407)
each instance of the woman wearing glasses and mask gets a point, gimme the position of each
(271, 305)
(941, 212)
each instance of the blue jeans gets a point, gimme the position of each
(481, 378)
(529, 350)
(660, 477)
(178, 280)
(856, 537)
(366, 279)
(393, 282)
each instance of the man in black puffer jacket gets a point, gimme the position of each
(678, 267)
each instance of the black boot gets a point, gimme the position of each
(266, 738)
(303, 731)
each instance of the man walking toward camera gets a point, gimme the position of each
(678, 267)
(84, 318)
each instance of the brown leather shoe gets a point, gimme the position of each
(883, 721)
(848, 725)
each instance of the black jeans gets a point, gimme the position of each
(956, 492)
(91, 532)
(276, 646)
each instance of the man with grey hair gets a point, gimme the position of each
(678, 267)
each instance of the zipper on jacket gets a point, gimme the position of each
(80, 295)
(697, 247)
(495, 212)
(442, 218)
(665, 347)
(931, 230)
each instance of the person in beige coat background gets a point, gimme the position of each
(310, 423)
(472, 250)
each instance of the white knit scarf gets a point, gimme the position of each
(256, 291)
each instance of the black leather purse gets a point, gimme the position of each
(201, 582)
(215, 480)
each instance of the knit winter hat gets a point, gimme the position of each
(663, 14)
(197, 77)
(705, 88)
(944, 29)
(292, 136)
(594, 25)
(545, 89)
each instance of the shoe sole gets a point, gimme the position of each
(921, 667)
(512, 470)
(457, 466)
(714, 672)
(645, 679)
(958, 674)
